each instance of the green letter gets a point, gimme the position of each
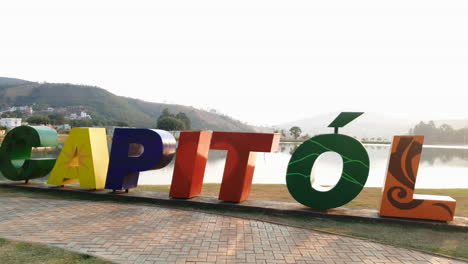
(15, 153)
(353, 177)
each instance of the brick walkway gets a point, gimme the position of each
(127, 233)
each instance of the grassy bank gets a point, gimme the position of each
(13, 252)
(292, 140)
(377, 142)
(369, 198)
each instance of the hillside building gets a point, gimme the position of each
(81, 116)
(10, 122)
(24, 109)
(84, 115)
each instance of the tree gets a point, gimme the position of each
(165, 113)
(295, 131)
(57, 119)
(170, 123)
(166, 119)
(446, 133)
(40, 107)
(121, 124)
(443, 134)
(38, 120)
(81, 123)
(283, 133)
(15, 114)
(184, 118)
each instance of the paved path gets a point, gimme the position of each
(127, 233)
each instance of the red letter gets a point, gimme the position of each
(190, 164)
(240, 160)
(192, 155)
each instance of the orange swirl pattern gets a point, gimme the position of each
(398, 199)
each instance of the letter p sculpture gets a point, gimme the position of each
(134, 150)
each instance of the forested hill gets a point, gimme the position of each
(443, 134)
(105, 107)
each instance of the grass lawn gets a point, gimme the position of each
(13, 252)
(369, 198)
(442, 241)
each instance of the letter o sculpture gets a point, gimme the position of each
(354, 175)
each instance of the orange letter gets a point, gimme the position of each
(398, 199)
(190, 164)
(240, 160)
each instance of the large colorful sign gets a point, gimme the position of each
(85, 159)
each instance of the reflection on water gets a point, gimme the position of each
(431, 155)
(440, 167)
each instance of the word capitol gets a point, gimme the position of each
(85, 158)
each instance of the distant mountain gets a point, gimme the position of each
(11, 81)
(103, 105)
(369, 125)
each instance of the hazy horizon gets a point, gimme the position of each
(262, 62)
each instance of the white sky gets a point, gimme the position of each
(264, 62)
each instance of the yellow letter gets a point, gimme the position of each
(84, 158)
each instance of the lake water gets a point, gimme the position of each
(440, 167)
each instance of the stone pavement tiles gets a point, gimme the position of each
(126, 233)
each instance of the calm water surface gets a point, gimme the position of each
(440, 167)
